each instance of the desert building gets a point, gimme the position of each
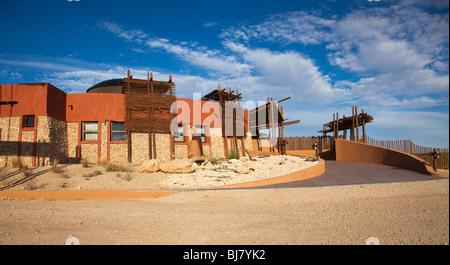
(118, 120)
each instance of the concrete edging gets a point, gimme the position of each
(303, 174)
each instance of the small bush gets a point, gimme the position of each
(84, 162)
(115, 168)
(93, 174)
(233, 154)
(15, 163)
(26, 171)
(31, 185)
(214, 160)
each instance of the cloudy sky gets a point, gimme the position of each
(390, 58)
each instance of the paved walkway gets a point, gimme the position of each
(351, 173)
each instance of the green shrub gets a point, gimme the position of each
(93, 174)
(233, 154)
(84, 162)
(15, 163)
(214, 160)
(114, 168)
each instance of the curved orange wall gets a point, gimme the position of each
(360, 152)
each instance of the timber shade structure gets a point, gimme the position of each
(348, 123)
(234, 119)
(147, 104)
(147, 109)
(270, 116)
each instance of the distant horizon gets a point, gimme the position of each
(390, 58)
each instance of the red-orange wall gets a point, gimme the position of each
(31, 98)
(56, 102)
(95, 107)
(46, 99)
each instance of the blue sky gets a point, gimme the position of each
(390, 58)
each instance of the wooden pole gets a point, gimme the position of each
(345, 130)
(357, 126)
(352, 133)
(222, 106)
(337, 125)
(334, 125)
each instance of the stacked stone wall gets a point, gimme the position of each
(9, 133)
(51, 141)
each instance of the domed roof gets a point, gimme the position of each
(107, 86)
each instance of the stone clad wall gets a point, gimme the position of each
(9, 139)
(217, 147)
(139, 148)
(104, 141)
(89, 152)
(51, 141)
(181, 151)
(163, 146)
(26, 148)
(118, 153)
(59, 140)
(72, 141)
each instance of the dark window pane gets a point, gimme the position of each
(118, 136)
(29, 120)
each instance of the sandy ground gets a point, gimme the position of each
(395, 213)
(77, 177)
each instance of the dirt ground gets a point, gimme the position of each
(127, 176)
(395, 213)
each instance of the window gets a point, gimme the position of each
(179, 135)
(201, 130)
(90, 131)
(118, 132)
(28, 121)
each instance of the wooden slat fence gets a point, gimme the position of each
(408, 146)
(306, 142)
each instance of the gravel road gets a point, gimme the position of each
(395, 213)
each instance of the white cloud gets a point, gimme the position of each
(288, 73)
(393, 39)
(210, 60)
(288, 27)
(210, 24)
(399, 53)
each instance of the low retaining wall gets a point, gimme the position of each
(303, 174)
(360, 152)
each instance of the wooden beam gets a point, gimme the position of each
(284, 99)
(9, 102)
(290, 123)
